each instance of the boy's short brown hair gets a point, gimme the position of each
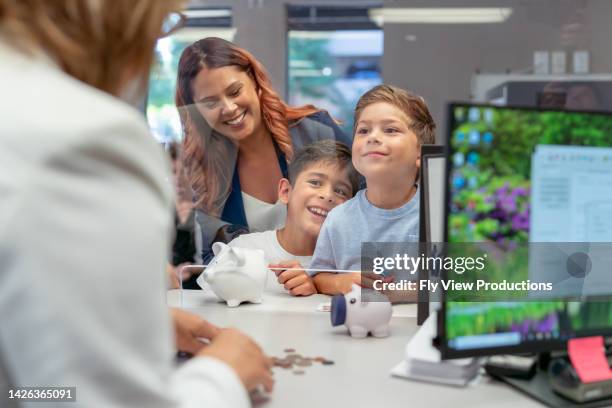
(412, 105)
(328, 151)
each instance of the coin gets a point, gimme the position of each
(281, 362)
(304, 363)
(295, 360)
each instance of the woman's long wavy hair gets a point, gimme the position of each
(208, 157)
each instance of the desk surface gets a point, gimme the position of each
(360, 376)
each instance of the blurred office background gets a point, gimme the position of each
(555, 53)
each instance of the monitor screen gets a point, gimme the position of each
(517, 178)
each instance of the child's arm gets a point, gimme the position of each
(294, 278)
(330, 283)
(324, 259)
(340, 283)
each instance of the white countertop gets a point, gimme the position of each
(360, 376)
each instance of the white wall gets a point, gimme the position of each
(439, 63)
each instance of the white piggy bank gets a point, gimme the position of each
(236, 275)
(360, 317)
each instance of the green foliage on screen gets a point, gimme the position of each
(494, 210)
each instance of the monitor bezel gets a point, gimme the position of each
(427, 151)
(529, 347)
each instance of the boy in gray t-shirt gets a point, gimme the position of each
(390, 125)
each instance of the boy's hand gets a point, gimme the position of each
(294, 278)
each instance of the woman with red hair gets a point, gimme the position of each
(238, 137)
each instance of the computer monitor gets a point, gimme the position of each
(518, 177)
(431, 216)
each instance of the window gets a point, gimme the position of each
(334, 56)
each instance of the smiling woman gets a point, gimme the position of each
(238, 137)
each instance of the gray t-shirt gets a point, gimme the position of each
(356, 221)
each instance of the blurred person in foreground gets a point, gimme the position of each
(86, 215)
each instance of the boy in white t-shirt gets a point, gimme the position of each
(321, 176)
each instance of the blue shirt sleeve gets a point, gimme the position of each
(323, 257)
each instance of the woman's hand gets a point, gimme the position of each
(197, 336)
(191, 331)
(244, 356)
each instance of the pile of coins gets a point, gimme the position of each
(297, 361)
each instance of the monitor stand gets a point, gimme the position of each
(540, 388)
(422, 299)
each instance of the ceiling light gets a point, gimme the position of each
(207, 13)
(440, 15)
(191, 34)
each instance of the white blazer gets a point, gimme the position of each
(85, 218)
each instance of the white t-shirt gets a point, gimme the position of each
(267, 241)
(262, 216)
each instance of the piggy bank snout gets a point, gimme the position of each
(338, 310)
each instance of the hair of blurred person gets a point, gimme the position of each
(91, 40)
(572, 96)
(174, 153)
(582, 97)
(182, 190)
(173, 150)
(207, 153)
